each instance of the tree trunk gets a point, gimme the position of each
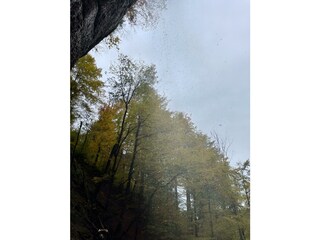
(176, 193)
(135, 148)
(189, 211)
(97, 155)
(91, 21)
(84, 142)
(241, 233)
(115, 150)
(210, 217)
(141, 189)
(77, 140)
(195, 216)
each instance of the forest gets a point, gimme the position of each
(141, 171)
(138, 169)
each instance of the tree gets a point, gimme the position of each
(243, 178)
(126, 80)
(102, 136)
(86, 88)
(165, 179)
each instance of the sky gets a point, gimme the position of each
(201, 50)
(285, 54)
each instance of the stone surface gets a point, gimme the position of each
(92, 21)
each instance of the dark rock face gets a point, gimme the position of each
(92, 21)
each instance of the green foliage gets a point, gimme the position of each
(86, 88)
(102, 136)
(170, 181)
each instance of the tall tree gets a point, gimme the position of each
(128, 77)
(102, 135)
(167, 180)
(86, 88)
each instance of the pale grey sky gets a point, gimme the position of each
(202, 53)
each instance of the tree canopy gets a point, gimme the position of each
(86, 88)
(144, 172)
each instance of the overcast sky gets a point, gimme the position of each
(201, 51)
